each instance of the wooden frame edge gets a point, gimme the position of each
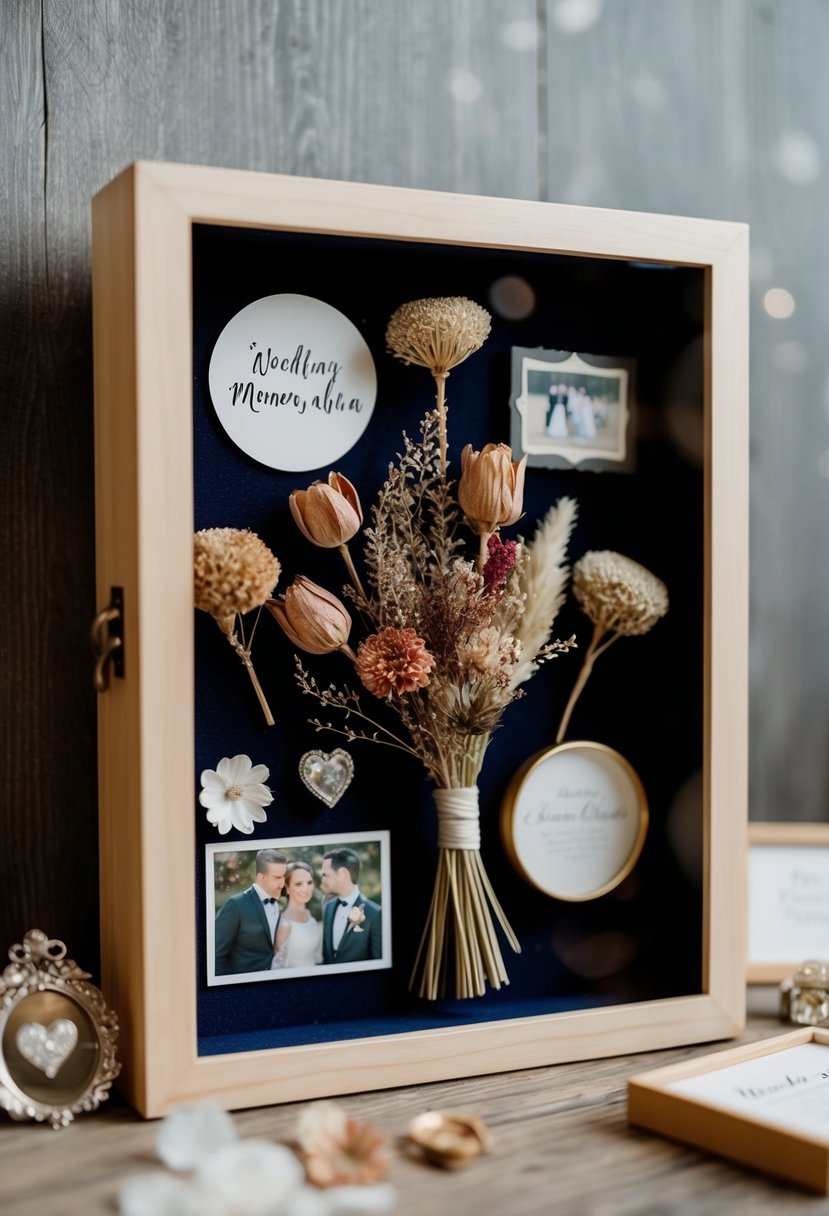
(113, 306)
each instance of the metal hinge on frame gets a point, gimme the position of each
(108, 640)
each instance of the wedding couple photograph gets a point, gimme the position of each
(569, 412)
(298, 907)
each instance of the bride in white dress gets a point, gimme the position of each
(298, 935)
(557, 424)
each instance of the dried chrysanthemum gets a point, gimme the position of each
(234, 572)
(339, 1151)
(438, 334)
(618, 594)
(488, 653)
(394, 661)
(622, 599)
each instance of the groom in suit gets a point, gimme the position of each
(247, 923)
(348, 937)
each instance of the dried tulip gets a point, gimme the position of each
(491, 489)
(328, 514)
(312, 618)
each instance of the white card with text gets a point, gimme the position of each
(788, 892)
(293, 382)
(788, 1089)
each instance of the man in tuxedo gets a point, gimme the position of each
(348, 937)
(247, 923)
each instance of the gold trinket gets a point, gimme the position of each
(804, 999)
(450, 1138)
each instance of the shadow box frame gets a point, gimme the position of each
(142, 315)
(780, 835)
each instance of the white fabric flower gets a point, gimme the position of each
(362, 1200)
(235, 794)
(154, 1195)
(190, 1133)
(252, 1178)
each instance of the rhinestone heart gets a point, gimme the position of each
(47, 1047)
(327, 776)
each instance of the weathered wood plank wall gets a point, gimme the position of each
(711, 108)
(720, 108)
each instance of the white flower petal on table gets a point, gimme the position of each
(363, 1200)
(153, 1195)
(324, 1120)
(253, 1177)
(190, 1133)
(259, 772)
(259, 794)
(200, 1202)
(309, 1201)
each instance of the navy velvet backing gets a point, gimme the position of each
(645, 697)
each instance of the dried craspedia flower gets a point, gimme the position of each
(437, 333)
(339, 1151)
(618, 594)
(234, 572)
(394, 661)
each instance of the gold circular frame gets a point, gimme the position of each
(513, 794)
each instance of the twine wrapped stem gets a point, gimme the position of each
(462, 907)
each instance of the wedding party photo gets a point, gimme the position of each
(298, 907)
(570, 412)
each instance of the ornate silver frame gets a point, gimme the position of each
(40, 964)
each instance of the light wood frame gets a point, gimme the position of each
(144, 507)
(788, 1154)
(800, 835)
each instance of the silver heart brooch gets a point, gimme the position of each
(47, 1047)
(327, 776)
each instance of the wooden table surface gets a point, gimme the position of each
(562, 1145)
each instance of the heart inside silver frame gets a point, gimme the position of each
(327, 775)
(47, 1047)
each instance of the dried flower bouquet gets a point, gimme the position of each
(452, 638)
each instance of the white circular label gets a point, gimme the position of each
(293, 382)
(577, 822)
